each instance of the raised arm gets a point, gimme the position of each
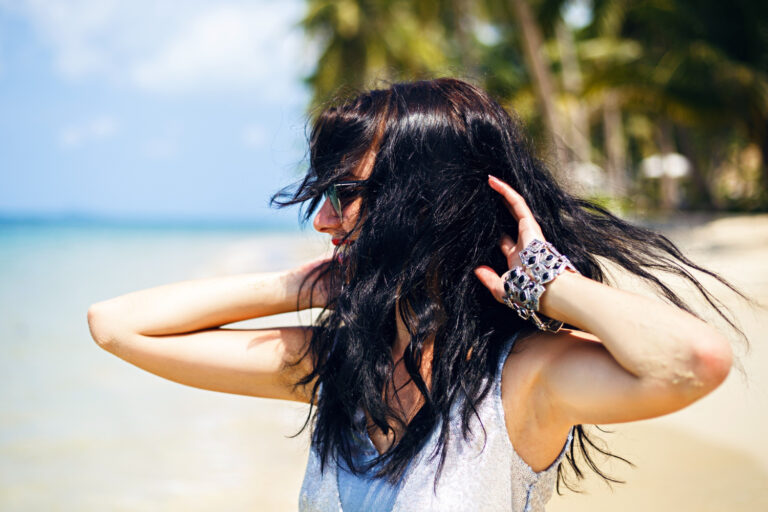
(174, 331)
(652, 359)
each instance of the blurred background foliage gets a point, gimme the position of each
(647, 105)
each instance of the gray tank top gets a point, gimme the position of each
(473, 478)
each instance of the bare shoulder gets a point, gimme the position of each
(533, 352)
(532, 425)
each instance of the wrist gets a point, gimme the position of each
(298, 294)
(557, 296)
(290, 282)
(524, 285)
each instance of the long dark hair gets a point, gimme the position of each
(428, 218)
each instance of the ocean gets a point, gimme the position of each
(81, 429)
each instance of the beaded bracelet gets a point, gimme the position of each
(523, 286)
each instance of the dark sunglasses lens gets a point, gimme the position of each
(333, 197)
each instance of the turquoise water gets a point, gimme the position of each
(81, 429)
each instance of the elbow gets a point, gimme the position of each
(711, 362)
(101, 327)
(715, 359)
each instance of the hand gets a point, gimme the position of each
(313, 270)
(527, 229)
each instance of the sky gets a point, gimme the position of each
(151, 109)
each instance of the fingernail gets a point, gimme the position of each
(492, 178)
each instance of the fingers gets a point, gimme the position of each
(507, 243)
(508, 246)
(528, 229)
(517, 206)
(490, 280)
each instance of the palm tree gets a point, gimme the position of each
(703, 66)
(533, 43)
(365, 40)
(694, 65)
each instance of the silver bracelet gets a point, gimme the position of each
(523, 286)
(521, 292)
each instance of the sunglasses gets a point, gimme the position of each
(339, 193)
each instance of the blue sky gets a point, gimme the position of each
(151, 109)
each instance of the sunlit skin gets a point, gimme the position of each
(630, 366)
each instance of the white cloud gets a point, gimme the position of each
(225, 48)
(167, 46)
(77, 135)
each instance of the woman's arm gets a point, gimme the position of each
(210, 302)
(172, 331)
(653, 358)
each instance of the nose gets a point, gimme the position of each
(326, 219)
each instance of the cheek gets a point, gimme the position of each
(351, 214)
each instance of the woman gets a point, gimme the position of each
(430, 392)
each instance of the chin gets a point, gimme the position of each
(342, 251)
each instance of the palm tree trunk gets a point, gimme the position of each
(764, 163)
(578, 126)
(615, 145)
(541, 74)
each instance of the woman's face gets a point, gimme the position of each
(326, 220)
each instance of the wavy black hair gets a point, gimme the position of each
(428, 219)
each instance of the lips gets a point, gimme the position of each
(339, 241)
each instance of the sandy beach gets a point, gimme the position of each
(710, 456)
(82, 430)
